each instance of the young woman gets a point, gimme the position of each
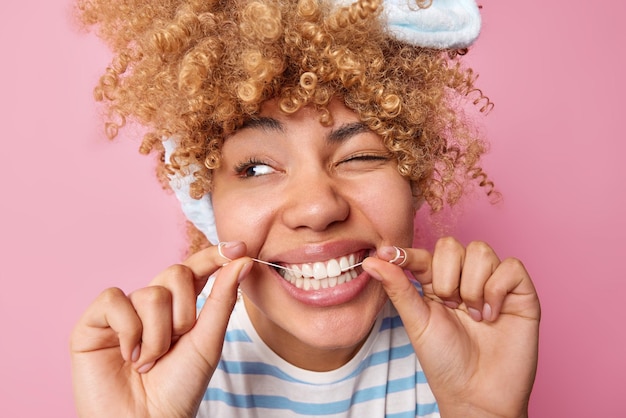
(302, 137)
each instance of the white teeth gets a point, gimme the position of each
(309, 283)
(307, 270)
(333, 269)
(344, 264)
(319, 271)
(296, 271)
(322, 275)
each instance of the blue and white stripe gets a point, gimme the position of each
(384, 379)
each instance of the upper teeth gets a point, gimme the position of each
(322, 270)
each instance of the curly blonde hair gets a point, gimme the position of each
(197, 69)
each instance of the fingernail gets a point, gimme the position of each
(229, 244)
(475, 314)
(487, 312)
(386, 253)
(244, 271)
(146, 367)
(135, 355)
(227, 249)
(394, 255)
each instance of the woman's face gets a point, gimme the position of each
(316, 199)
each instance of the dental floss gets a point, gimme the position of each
(219, 251)
(272, 264)
(401, 256)
(287, 268)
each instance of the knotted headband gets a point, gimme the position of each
(445, 24)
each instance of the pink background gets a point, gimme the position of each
(79, 214)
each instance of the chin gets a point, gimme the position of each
(339, 326)
(289, 320)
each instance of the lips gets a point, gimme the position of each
(323, 274)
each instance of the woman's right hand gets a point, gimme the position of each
(146, 354)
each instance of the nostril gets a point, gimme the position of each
(316, 206)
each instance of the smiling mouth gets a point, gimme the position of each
(322, 274)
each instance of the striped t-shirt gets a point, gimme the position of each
(384, 379)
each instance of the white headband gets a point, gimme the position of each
(198, 211)
(446, 24)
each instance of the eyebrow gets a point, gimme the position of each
(346, 131)
(264, 123)
(335, 136)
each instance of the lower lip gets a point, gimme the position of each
(331, 296)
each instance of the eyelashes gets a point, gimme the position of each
(254, 167)
(367, 157)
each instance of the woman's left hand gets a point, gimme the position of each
(475, 331)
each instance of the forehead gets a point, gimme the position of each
(272, 123)
(335, 116)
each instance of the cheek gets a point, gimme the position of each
(240, 219)
(389, 206)
(386, 202)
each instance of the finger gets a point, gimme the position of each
(207, 261)
(191, 361)
(168, 309)
(402, 293)
(208, 334)
(180, 281)
(448, 259)
(510, 290)
(187, 280)
(109, 321)
(479, 264)
(415, 260)
(154, 307)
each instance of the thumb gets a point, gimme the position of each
(207, 335)
(407, 300)
(180, 378)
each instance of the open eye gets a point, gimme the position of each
(253, 169)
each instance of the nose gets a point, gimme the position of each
(314, 201)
